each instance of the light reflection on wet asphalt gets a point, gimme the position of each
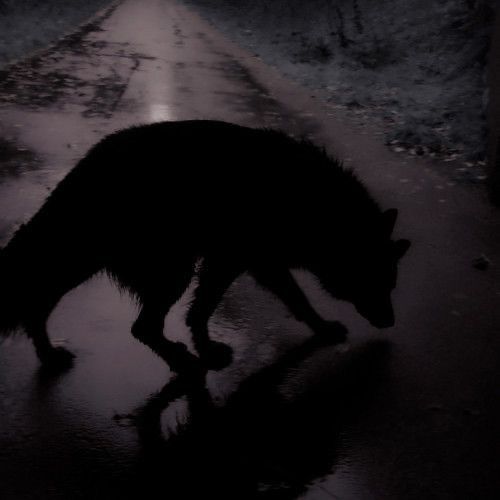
(399, 415)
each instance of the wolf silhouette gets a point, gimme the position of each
(147, 203)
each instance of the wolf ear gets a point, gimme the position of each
(389, 220)
(401, 247)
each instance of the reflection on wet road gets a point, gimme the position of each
(402, 415)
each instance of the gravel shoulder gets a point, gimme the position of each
(31, 25)
(414, 69)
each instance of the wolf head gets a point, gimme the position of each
(364, 272)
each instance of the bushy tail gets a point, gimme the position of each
(10, 308)
(16, 261)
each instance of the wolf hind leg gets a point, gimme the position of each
(40, 306)
(52, 357)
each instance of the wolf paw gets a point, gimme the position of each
(332, 332)
(57, 359)
(216, 355)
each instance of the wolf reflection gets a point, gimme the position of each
(260, 443)
(147, 203)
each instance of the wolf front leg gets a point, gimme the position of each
(280, 281)
(214, 278)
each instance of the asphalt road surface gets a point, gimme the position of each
(408, 413)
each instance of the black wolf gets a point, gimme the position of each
(146, 204)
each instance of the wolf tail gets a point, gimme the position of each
(17, 265)
(10, 306)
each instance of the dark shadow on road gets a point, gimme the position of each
(263, 443)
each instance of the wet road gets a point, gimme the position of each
(408, 413)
